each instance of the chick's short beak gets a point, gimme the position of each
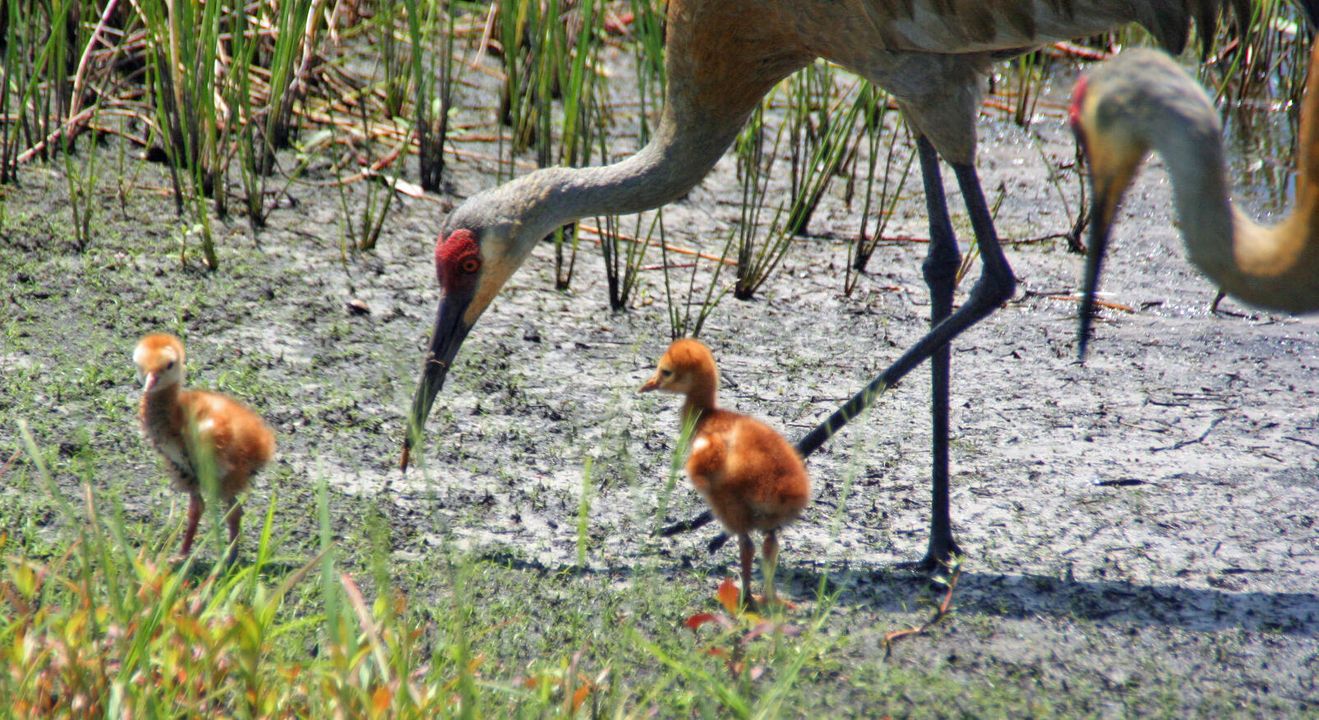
(652, 384)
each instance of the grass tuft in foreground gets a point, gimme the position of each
(99, 626)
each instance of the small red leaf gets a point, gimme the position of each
(580, 696)
(381, 699)
(728, 595)
(699, 619)
(618, 24)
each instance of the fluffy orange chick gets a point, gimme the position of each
(187, 426)
(752, 478)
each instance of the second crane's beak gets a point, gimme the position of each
(1100, 227)
(1113, 162)
(448, 335)
(1109, 185)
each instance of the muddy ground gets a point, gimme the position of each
(1141, 530)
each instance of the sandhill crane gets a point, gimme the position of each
(721, 57)
(192, 427)
(752, 478)
(1140, 101)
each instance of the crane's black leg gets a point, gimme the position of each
(996, 284)
(940, 271)
(995, 287)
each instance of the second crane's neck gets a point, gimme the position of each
(1277, 267)
(1272, 267)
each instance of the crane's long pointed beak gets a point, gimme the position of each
(1101, 225)
(450, 331)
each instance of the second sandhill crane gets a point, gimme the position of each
(752, 478)
(199, 433)
(721, 57)
(1142, 101)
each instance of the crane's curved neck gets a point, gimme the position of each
(674, 161)
(1271, 267)
(1193, 152)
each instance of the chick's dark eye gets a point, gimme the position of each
(170, 366)
(666, 373)
(471, 265)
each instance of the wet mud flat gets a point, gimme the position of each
(1140, 529)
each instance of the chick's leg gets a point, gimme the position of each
(748, 557)
(234, 516)
(769, 561)
(195, 504)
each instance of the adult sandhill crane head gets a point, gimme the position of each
(471, 266)
(1141, 101)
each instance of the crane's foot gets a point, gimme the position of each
(937, 557)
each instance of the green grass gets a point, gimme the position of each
(875, 110)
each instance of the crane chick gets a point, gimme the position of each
(191, 428)
(752, 478)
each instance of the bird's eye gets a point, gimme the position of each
(471, 265)
(170, 366)
(666, 373)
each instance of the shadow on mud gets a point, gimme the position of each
(1024, 596)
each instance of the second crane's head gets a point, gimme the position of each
(1121, 110)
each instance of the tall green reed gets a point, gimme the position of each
(624, 257)
(876, 111)
(755, 170)
(584, 123)
(41, 40)
(432, 89)
(682, 323)
(294, 47)
(81, 176)
(648, 51)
